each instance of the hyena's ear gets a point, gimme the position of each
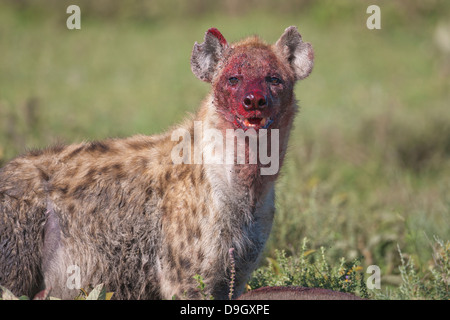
(206, 55)
(299, 54)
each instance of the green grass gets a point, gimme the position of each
(369, 159)
(310, 268)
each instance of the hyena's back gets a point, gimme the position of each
(94, 206)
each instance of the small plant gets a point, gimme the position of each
(302, 271)
(233, 272)
(431, 284)
(201, 287)
(97, 293)
(441, 270)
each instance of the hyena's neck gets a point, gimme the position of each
(249, 177)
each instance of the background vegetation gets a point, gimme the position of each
(369, 162)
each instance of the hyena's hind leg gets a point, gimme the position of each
(22, 225)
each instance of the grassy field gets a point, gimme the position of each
(368, 171)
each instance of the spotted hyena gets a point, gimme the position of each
(132, 215)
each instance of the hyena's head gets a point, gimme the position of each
(252, 81)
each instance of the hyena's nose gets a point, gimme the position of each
(255, 100)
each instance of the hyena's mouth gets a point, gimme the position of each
(254, 122)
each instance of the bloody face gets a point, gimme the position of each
(252, 88)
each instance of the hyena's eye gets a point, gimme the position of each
(274, 80)
(233, 81)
